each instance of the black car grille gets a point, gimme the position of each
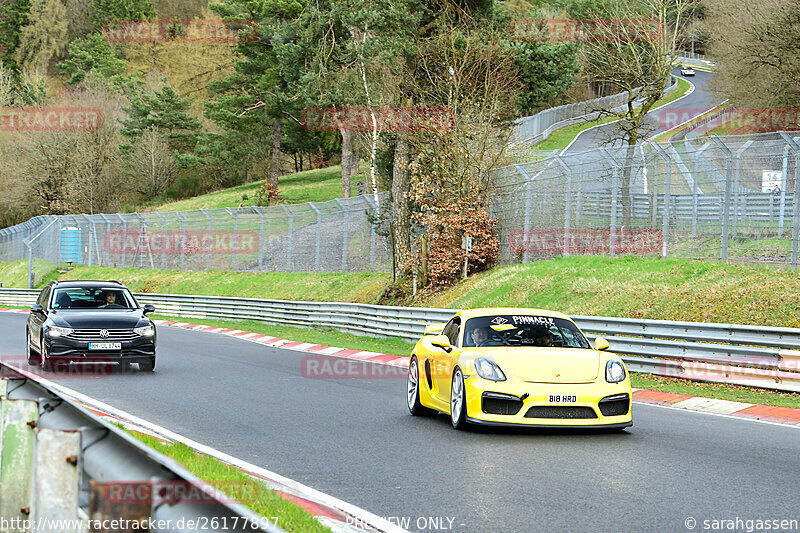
(94, 335)
(500, 404)
(560, 411)
(618, 404)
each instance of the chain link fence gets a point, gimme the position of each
(342, 235)
(728, 198)
(708, 198)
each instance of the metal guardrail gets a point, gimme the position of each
(758, 356)
(58, 460)
(536, 128)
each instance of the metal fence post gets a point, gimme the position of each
(784, 180)
(260, 240)
(795, 197)
(106, 240)
(235, 216)
(726, 204)
(373, 235)
(89, 249)
(208, 244)
(654, 194)
(567, 203)
(289, 244)
(124, 238)
(612, 238)
(667, 190)
(696, 187)
(319, 236)
(345, 234)
(183, 236)
(528, 207)
(163, 240)
(736, 193)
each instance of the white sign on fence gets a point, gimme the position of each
(770, 179)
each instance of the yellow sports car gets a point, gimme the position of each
(506, 366)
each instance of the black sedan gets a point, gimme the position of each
(90, 321)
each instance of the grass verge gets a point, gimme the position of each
(363, 287)
(317, 185)
(236, 484)
(559, 139)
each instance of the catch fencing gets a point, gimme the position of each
(708, 198)
(756, 356)
(342, 235)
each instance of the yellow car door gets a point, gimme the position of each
(445, 360)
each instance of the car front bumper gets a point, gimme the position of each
(543, 405)
(134, 350)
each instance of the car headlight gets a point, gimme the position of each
(489, 370)
(615, 372)
(55, 331)
(145, 331)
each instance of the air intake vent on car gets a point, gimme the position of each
(618, 404)
(560, 411)
(494, 403)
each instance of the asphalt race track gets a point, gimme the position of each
(694, 104)
(354, 439)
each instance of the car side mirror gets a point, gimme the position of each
(441, 341)
(601, 344)
(149, 308)
(37, 309)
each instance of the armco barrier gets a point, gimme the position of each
(58, 458)
(758, 356)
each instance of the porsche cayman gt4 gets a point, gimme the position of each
(527, 367)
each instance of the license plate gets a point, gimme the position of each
(105, 345)
(563, 398)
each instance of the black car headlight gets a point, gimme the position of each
(615, 372)
(55, 331)
(145, 331)
(489, 370)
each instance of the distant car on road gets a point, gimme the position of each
(525, 367)
(90, 321)
(687, 71)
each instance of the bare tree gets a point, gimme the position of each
(755, 45)
(151, 164)
(632, 48)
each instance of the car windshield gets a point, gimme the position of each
(92, 298)
(523, 330)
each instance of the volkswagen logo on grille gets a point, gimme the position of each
(104, 333)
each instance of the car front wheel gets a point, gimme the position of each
(148, 365)
(33, 357)
(458, 401)
(43, 357)
(415, 407)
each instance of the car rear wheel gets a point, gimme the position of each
(458, 401)
(148, 365)
(33, 357)
(415, 407)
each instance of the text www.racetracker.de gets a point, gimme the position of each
(145, 524)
